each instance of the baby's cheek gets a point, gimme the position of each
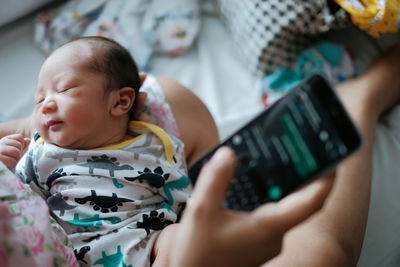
(82, 117)
(37, 123)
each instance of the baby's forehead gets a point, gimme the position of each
(87, 46)
(77, 54)
(80, 49)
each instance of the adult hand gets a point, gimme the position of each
(210, 235)
(141, 100)
(12, 147)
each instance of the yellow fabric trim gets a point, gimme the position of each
(159, 133)
(372, 15)
(119, 145)
(39, 141)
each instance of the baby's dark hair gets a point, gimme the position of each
(115, 62)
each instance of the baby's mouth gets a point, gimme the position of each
(51, 123)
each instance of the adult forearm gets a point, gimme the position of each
(22, 126)
(334, 236)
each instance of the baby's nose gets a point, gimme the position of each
(49, 106)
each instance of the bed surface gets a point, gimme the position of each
(212, 69)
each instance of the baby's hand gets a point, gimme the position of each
(12, 147)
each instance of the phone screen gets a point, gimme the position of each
(300, 136)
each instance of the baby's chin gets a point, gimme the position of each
(67, 140)
(59, 144)
(62, 142)
(74, 144)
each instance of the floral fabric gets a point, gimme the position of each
(157, 107)
(28, 236)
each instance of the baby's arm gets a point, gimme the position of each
(12, 147)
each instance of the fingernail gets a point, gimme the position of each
(221, 154)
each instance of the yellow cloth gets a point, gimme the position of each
(160, 133)
(374, 16)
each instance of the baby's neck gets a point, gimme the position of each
(111, 135)
(115, 138)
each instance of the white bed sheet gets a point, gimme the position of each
(20, 62)
(213, 71)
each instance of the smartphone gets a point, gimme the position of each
(298, 138)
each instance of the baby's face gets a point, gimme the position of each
(71, 108)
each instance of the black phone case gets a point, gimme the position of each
(296, 139)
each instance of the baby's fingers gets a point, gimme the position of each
(12, 151)
(10, 162)
(15, 140)
(12, 148)
(27, 141)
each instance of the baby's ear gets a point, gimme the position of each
(123, 101)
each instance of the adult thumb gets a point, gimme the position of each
(214, 179)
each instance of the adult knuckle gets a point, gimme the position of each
(198, 209)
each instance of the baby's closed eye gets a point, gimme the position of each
(39, 100)
(66, 89)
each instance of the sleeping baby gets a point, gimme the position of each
(112, 183)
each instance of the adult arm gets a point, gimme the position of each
(22, 126)
(334, 236)
(197, 127)
(212, 236)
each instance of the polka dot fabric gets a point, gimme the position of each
(272, 33)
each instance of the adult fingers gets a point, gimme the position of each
(296, 207)
(142, 76)
(140, 102)
(214, 179)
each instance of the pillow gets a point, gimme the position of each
(271, 33)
